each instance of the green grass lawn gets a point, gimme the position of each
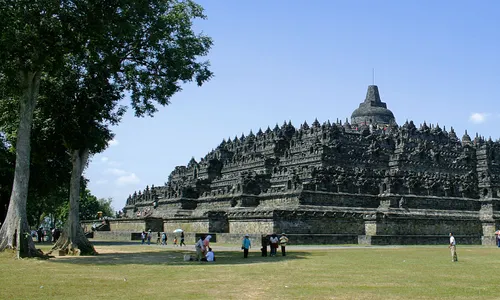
(142, 272)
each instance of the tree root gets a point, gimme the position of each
(79, 246)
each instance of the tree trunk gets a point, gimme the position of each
(73, 240)
(16, 213)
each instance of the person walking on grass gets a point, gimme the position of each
(453, 248)
(182, 240)
(246, 245)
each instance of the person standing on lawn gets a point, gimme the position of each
(246, 245)
(274, 244)
(283, 242)
(199, 249)
(453, 248)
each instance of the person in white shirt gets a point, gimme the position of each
(210, 255)
(274, 244)
(453, 248)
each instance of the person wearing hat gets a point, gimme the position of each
(246, 245)
(283, 242)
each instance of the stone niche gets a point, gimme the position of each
(218, 222)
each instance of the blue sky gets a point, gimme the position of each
(434, 61)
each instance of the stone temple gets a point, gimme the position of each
(366, 181)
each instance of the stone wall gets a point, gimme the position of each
(113, 235)
(435, 203)
(251, 226)
(128, 225)
(186, 225)
(338, 199)
(319, 223)
(418, 240)
(272, 200)
(428, 226)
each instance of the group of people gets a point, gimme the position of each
(273, 241)
(43, 235)
(161, 238)
(203, 250)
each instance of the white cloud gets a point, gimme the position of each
(116, 172)
(101, 181)
(104, 159)
(478, 117)
(128, 179)
(114, 142)
(114, 163)
(123, 177)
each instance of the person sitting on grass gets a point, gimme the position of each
(210, 257)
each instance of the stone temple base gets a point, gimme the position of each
(314, 217)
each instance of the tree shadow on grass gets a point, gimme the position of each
(116, 243)
(174, 257)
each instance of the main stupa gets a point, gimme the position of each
(373, 110)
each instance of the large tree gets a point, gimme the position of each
(147, 47)
(49, 164)
(150, 59)
(34, 38)
(81, 103)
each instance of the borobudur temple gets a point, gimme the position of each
(365, 181)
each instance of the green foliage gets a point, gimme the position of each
(161, 51)
(106, 207)
(89, 205)
(89, 54)
(79, 103)
(6, 171)
(30, 30)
